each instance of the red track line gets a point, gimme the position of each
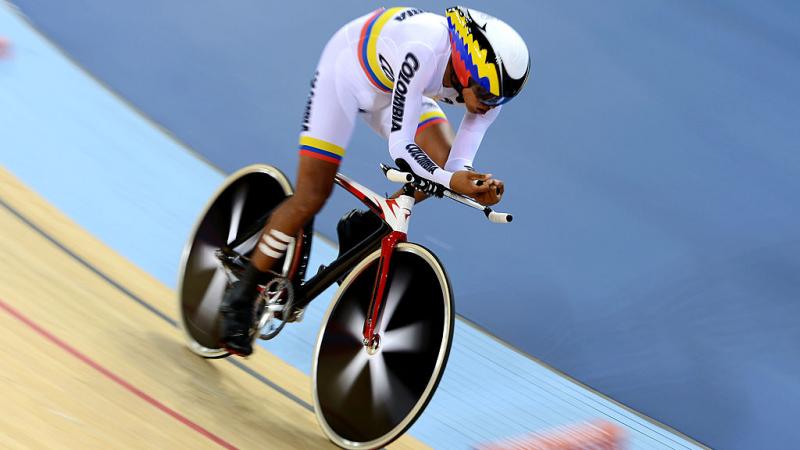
(113, 377)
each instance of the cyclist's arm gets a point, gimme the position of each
(415, 71)
(468, 139)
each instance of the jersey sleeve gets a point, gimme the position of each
(415, 72)
(468, 139)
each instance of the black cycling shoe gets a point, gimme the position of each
(356, 226)
(238, 319)
(238, 311)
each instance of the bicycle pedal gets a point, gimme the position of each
(276, 303)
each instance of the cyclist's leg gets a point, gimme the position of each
(315, 178)
(327, 127)
(434, 134)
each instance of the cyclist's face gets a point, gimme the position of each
(473, 99)
(477, 99)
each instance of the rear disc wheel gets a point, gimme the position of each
(244, 200)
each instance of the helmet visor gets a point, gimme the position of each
(486, 97)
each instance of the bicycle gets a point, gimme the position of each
(385, 338)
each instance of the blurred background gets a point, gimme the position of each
(652, 164)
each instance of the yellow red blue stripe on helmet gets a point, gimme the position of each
(319, 149)
(368, 48)
(468, 56)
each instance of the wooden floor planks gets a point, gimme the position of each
(53, 398)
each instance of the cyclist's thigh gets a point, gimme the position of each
(328, 121)
(434, 133)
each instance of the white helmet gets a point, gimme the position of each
(489, 52)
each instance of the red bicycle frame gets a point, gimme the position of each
(396, 212)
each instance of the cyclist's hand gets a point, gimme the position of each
(464, 182)
(493, 195)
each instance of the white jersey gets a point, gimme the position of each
(389, 65)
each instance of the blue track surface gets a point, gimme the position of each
(138, 190)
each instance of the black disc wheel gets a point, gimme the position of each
(367, 399)
(240, 207)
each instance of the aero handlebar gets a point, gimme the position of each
(429, 187)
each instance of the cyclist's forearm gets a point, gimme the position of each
(414, 74)
(468, 139)
(415, 159)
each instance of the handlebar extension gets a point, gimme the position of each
(429, 187)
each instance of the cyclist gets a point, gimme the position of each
(391, 67)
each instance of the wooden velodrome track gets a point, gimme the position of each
(92, 356)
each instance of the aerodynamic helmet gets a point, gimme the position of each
(488, 52)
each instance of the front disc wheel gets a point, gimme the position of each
(366, 396)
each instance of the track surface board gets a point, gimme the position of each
(92, 357)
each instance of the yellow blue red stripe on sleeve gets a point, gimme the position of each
(319, 149)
